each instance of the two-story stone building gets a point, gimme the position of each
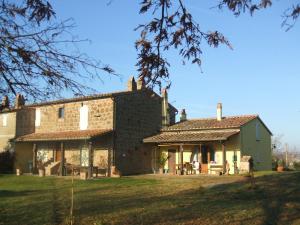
(101, 130)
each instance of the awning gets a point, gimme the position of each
(192, 136)
(61, 136)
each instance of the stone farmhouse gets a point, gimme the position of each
(126, 132)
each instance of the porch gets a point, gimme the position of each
(186, 159)
(66, 153)
(197, 152)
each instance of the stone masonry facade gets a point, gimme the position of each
(130, 115)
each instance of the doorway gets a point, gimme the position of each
(172, 161)
(57, 153)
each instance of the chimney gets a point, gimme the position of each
(219, 111)
(5, 102)
(165, 109)
(20, 101)
(182, 115)
(140, 83)
(131, 84)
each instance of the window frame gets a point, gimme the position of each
(61, 113)
(257, 131)
(4, 120)
(38, 115)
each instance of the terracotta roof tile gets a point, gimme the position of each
(212, 123)
(192, 136)
(64, 135)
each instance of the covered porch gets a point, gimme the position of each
(197, 158)
(72, 152)
(196, 152)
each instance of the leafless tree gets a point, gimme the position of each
(172, 27)
(36, 60)
(39, 56)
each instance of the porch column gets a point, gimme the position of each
(91, 159)
(181, 159)
(34, 159)
(208, 155)
(224, 157)
(109, 162)
(62, 160)
(200, 154)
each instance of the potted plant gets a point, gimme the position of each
(162, 160)
(280, 165)
(41, 168)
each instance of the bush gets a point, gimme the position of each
(297, 165)
(6, 162)
(162, 160)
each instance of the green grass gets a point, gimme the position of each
(153, 200)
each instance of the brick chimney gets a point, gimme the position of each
(165, 109)
(5, 102)
(20, 101)
(131, 84)
(140, 83)
(219, 111)
(182, 115)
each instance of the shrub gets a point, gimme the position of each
(297, 165)
(162, 160)
(6, 161)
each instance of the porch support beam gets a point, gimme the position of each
(62, 160)
(181, 159)
(109, 162)
(208, 155)
(224, 157)
(34, 158)
(91, 160)
(200, 154)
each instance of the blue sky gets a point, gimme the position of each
(261, 75)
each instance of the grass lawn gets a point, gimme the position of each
(152, 199)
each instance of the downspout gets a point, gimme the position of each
(114, 132)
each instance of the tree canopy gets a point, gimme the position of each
(34, 60)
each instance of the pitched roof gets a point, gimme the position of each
(192, 136)
(64, 135)
(86, 98)
(212, 123)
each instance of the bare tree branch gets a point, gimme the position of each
(39, 57)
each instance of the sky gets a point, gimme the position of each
(261, 75)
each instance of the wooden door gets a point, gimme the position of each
(204, 159)
(57, 155)
(172, 161)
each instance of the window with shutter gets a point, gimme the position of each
(4, 120)
(37, 117)
(84, 116)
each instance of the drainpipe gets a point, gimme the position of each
(181, 160)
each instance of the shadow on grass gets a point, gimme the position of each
(13, 194)
(275, 200)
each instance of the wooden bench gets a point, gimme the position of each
(218, 169)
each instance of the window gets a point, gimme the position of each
(257, 130)
(84, 156)
(37, 117)
(84, 117)
(61, 112)
(4, 120)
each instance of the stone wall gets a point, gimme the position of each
(100, 116)
(138, 115)
(25, 121)
(8, 130)
(23, 155)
